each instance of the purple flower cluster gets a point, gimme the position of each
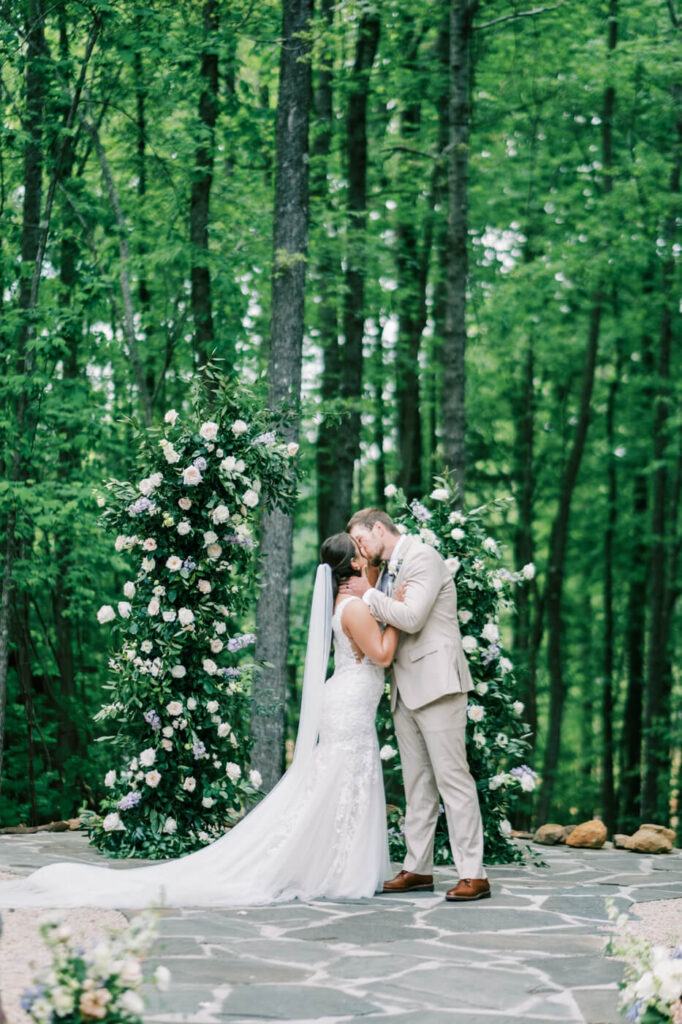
(189, 564)
(231, 673)
(493, 652)
(236, 643)
(243, 542)
(420, 511)
(522, 770)
(199, 749)
(151, 718)
(138, 507)
(267, 438)
(30, 995)
(200, 463)
(130, 800)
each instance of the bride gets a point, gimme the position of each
(321, 832)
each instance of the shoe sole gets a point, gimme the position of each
(468, 899)
(412, 888)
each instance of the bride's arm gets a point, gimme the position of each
(362, 628)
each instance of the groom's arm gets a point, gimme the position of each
(422, 584)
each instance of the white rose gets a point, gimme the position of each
(255, 777)
(505, 665)
(145, 486)
(185, 616)
(105, 614)
(110, 778)
(527, 782)
(216, 646)
(210, 537)
(156, 479)
(469, 643)
(490, 632)
(214, 551)
(505, 828)
(490, 545)
(518, 707)
(220, 514)
(496, 583)
(149, 544)
(63, 1000)
(240, 466)
(129, 589)
(452, 565)
(482, 689)
(113, 823)
(233, 770)
(387, 752)
(496, 781)
(502, 739)
(185, 504)
(224, 729)
(170, 826)
(209, 666)
(475, 713)
(440, 494)
(162, 975)
(174, 563)
(148, 757)
(528, 571)
(130, 972)
(153, 607)
(228, 465)
(429, 537)
(170, 417)
(171, 455)
(167, 731)
(189, 784)
(390, 491)
(479, 739)
(212, 706)
(220, 627)
(132, 1002)
(457, 533)
(250, 498)
(184, 527)
(148, 564)
(124, 609)
(191, 476)
(207, 801)
(153, 778)
(204, 586)
(465, 616)
(174, 708)
(239, 427)
(209, 430)
(169, 616)
(292, 449)
(166, 744)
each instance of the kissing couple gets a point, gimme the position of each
(321, 832)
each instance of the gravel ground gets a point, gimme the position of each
(660, 921)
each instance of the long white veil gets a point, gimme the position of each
(237, 869)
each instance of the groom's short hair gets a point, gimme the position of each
(367, 517)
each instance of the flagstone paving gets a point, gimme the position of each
(532, 953)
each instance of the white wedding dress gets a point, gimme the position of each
(320, 833)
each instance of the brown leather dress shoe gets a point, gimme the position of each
(469, 889)
(408, 881)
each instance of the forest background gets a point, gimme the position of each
(475, 209)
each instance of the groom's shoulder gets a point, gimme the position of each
(417, 549)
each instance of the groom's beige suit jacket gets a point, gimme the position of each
(430, 660)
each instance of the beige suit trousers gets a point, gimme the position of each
(433, 753)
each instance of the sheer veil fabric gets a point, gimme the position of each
(319, 833)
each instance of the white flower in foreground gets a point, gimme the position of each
(239, 427)
(167, 731)
(63, 1000)
(191, 476)
(170, 826)
(528, 571)
(216, 646)
(204, 587)
(465, 616)
(207, 801)
(505, 828)
(130, 972)
(189, 784)
(475, 713)
(220, 514)
(490, 632)
(209, 666)
(210, 537)
(479, 739)
(255, 777)
(457, 517)
(162, 975)
(240, 466)
(129, 589)
(209, 430)
(156, 479)
(185, 616)
(429, 537)
(184, 527)
(185, 504)
(113, 823)
(481, 689)
(440, 494)
(145, 486)
(497, 780)
(149, 544)
(170, 615)
(495, 582)
(490, 545)
(153, 608)
(527, 782)
(292, 449)
(214, 551)
(505, 666)
(171, 455)
(390, 491)
(170, 417)
(167, 745)
(452, 565)
(146, 646)
(178, 671)
(132, 1002)
(148, 564)
(224, 730)
(518, 707)
(250, 498)
(212, 706)
(147, 757)
(387, 752)
(174, 563)
(110, 778)
(469, 643)
(457, 533)
(220, 627)
(233, 770)
(228, 465)
(153, 778)
(501, 739)
(174, 708)
(105, 614)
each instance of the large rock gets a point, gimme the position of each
(549, 835)
(645, 840)
(661, 830)
(591, 834)
(620, 840)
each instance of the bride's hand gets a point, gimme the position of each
(355, 586)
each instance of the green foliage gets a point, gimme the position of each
(178, 771)
(497, 737)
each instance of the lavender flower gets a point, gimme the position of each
(231, 673)
(243, 542)
(199, 749)
(141, 505)
(200, 463)
(494, 651)
(151, 718)
(267, 438)
(420, 511)
(189, 564)
(238, 642)
(130, 800)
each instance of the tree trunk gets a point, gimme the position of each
(290, 238)
(348, 438)
(201, 187)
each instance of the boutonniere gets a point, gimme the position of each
(394, 566)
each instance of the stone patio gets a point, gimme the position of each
(534, 952)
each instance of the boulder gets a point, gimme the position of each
(645, 840)
(590, 834)
(566, 831)
(620, 840)
(549, 835)
(661, 830)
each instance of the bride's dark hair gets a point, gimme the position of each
(337, 551)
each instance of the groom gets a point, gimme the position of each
(430, 680)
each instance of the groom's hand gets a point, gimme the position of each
(354, 586)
